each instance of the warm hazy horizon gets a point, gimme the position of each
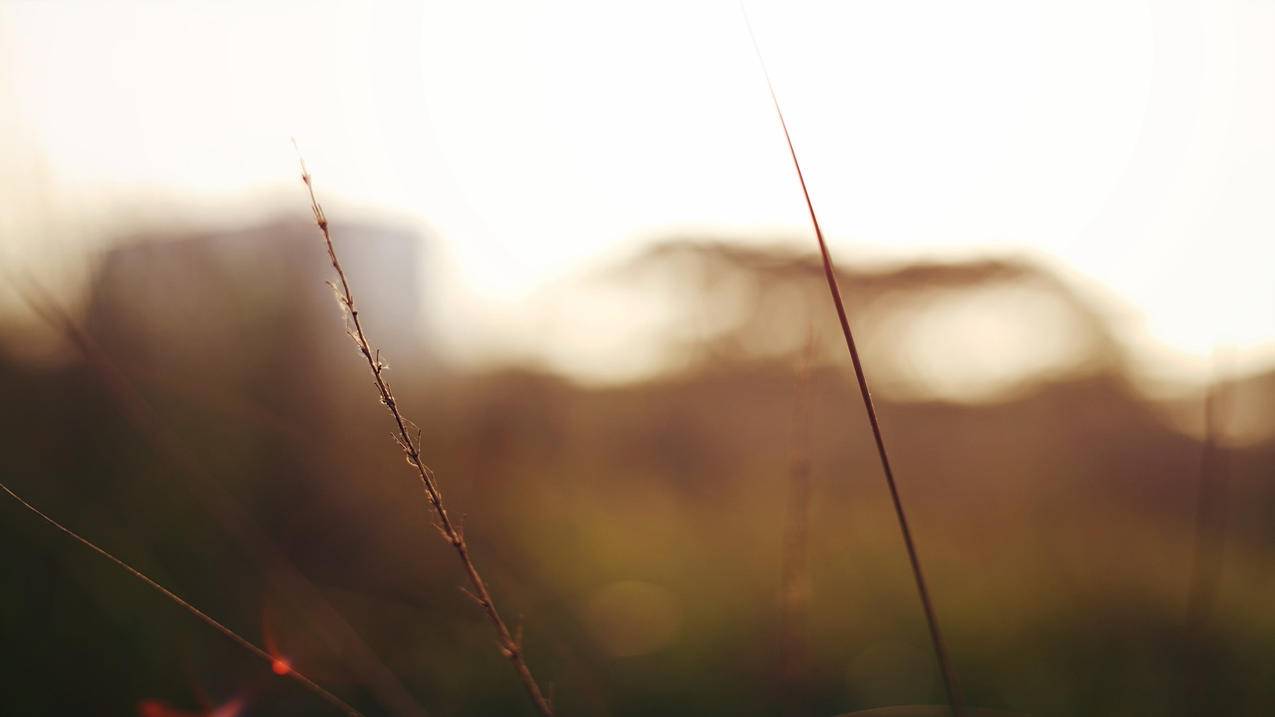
(1126, 145)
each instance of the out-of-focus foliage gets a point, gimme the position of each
(222, 436)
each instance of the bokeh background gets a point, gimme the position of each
(575, 233)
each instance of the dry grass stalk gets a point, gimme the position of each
(1211, 514)
(936, 638)
(451, 531)
(794, 587)
(277, 665)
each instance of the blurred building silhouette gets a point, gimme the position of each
(247, 312)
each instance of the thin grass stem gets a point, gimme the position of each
(330, 625)
(794, 562)
(451, 531)
(936, 638)
(1212, 478)
(285, 669)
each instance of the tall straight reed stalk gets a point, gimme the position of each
(936, 637)
(451, 531)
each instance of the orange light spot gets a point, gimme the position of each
(280, 666)
(157, 708)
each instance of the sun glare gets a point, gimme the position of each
(538, 150)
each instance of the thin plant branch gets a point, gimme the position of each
(408, 439)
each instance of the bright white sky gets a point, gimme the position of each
(1132, 143)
